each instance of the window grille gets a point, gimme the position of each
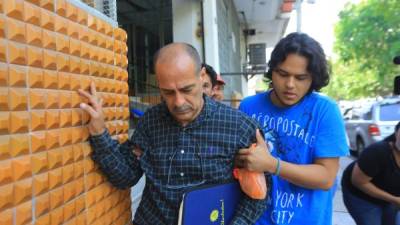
(107, 7)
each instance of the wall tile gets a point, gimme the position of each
(42, 206)
(61, 7)
(5, 172)
(34, 35)
(22, 191)
(6, 217)
(14, 9)
(23, 213)
(48, 50)
(16, 30)
(32, 14)
(16, 53)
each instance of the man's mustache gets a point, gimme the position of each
(182, 109)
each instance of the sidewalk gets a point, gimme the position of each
(340, 214)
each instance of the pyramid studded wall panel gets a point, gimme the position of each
(48, 50)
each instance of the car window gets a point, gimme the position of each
(367, 115)
(356, 115)
(390, 112)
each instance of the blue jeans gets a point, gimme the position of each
(398, 217)
(367, 213)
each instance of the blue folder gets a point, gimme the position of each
(210, 204)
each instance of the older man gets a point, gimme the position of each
(186, 141)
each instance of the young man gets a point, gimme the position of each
(186, 141)
(304, 132)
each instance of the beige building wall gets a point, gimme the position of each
(48, 50)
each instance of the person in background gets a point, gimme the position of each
(304, 135)
(210, 80)
(371, 184)
(218, 89)
(186, 141)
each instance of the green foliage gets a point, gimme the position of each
(345, 84)
(367, 39)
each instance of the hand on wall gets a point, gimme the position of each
(96, 125)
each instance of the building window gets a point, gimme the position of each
(149, 27)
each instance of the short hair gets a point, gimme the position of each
(210, 73)
(189, 50)
(303, 45)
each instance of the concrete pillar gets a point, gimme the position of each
(186, 23)
(211, 33)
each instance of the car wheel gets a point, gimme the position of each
(360, 146)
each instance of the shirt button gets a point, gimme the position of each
(182, 174)
(182, 151)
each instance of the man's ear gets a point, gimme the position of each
(203, 74)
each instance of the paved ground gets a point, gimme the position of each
(340, 214)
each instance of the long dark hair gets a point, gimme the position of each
(392, 137)
(303, 45)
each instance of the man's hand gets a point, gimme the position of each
(397, 202)
(96, 125)
(257, 158)
(138, 152)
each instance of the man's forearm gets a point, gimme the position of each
(116, 161)
(319, 175)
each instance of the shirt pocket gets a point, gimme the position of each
(218, 163)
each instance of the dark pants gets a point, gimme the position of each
(367, 213)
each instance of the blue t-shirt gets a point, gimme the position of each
(311, 129)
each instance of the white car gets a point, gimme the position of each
(371, 124)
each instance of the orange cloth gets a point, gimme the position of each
(251, 183)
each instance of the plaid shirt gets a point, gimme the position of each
(175, 158)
